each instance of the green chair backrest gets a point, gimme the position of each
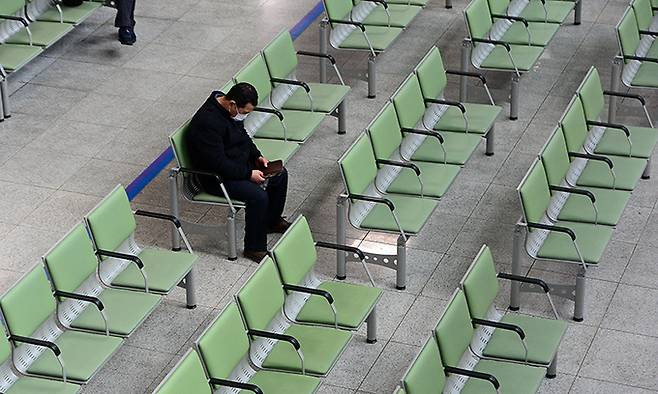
(534, 192)
(72, 260)
(480, 284)
(179, 146)
(409, 103)
(280, 56)
(574, 125)
(431, 74)
(358, 166)
(426, 373)
(29, 303)
(255, 72)
(478, 19)
(628, 34)
(187, 377)
(555, 158)
(112, 221)
(337, 9)
(295, 253)
(454, 330)
(499, 6)
(11, 7)
(223, 345)
(643, 13)
(384, 132)
(262, 297)
(591, 95)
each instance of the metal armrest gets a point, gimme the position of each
(507, 46)
(24, 21)
(505, 326)
(649, 33)
(600, 158)
(331, 59)
(343, 22)
(200, 172)
(385, 201)
(447, 102)
(550, 227)
(582, 192)
(292, 82)
(516, 19)
(382, 2)
(533, 281)
(351, 249)
(430, 133)
(270, 111)
(641, 58)
(611, 126)
(281, 337)
(237, 385)
(474, 374)
(128, 257)
(47, 344)
(397, 163)
(632, 96)
(157, 215)
(474, 75)
(317, 292)
(86, 298)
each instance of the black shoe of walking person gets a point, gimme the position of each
(127, 36)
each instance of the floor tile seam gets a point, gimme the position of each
(609, 381)
(628, 332)
(372, 366)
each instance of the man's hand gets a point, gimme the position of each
(261, 161)
(257, 176)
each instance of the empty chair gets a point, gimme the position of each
(112, 227)
(379, 13)
(639, 53)
(517, 30)
(187, 376)
(224, 350)
(550, 11)
(645, 15)
(67, 14)
(72, 266)
(541, 336)
(38, 33)
(330, 303)
(28, 310)
(280, 345)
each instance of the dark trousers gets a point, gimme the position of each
(264, 207)
(125, 13)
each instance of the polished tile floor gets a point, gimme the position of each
(90, 113)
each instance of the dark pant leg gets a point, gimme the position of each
(256, 212)
(125, 13)
(277, 188)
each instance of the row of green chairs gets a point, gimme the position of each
(508, 37)
(289, 111)
(66, 317)
(476, 349)
(365, 25)
(29, 27)
(285, 329)
(408, 157)
(576, 191)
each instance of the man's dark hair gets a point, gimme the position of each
(243, 93)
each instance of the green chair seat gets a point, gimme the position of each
(614, 142)
(164, 269)
(73, 15)
(13, 57)
(524, 57)
(436, 177)
(44, 34)
(300, 125)
(380, 37)
(320, 346)
(647, 75)
(458, 146)
(540, 33)
(555, 12)
(401, 15)
(480, 118)
(187, 376)
(276, 149)
(326, 97)
(207, 197)
(543, 338)
(591, 239)
(284, 383)
(352, 303)
(29, 385)
(513, 378)
(82, 353)
(125, 310)
(627, 170)
(610, 204)
(412, 213)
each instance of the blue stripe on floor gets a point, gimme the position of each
(162, 161)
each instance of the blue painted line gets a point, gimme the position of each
(151, 172)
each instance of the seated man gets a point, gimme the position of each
(218, 142)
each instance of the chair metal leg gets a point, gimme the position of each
(515, 292)
(647, 170)
(324, 39)
(578, 12)
(401, 269)
(173, 202)
(490, 142)
(551, 373)
(190, 289)
(514, 99)
(579, 307)
(342, 117)
(465, 66)
(232, 237)
(372, 77)
(448, 4)
(341, 236)
(614, 86)
(4, 93)
(371, 323)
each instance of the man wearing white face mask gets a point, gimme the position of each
(218, 142)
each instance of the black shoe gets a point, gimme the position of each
(254, 255)
(127, 36)
(280, 227)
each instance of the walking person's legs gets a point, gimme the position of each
(125, 21)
